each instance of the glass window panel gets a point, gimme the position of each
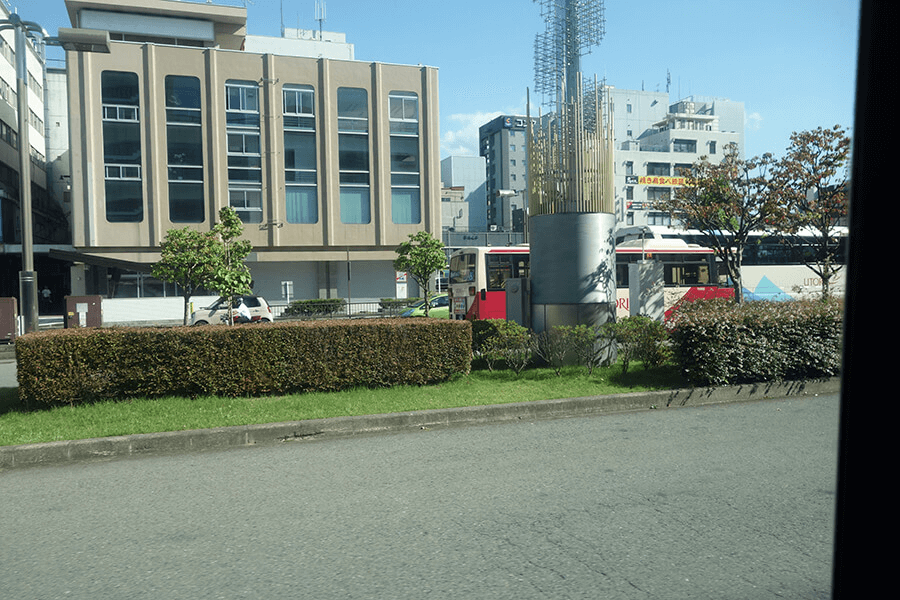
(118, 87)
(299, 150)
(404, 154)
(353, 102)
(353, 152)
(301, 204)
(404, 180)
(121, 142)
(186, 202)
(355, 207)
(124, 201)
(247, 203)
(185, 173)
(185, 145)
(182, 92)
(405, 206)
(298, 100)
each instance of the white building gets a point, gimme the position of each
(467, 172)
(654, 139)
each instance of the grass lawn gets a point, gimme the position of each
(481, 387)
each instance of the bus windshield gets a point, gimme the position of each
(462, 268)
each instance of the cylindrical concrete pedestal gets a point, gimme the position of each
(573, 269)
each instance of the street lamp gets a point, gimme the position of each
(74, 39)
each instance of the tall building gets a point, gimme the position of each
(654, 139)
(50, 226)
(326, 161)
(467, 172)
(503, 142)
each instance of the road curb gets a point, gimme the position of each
(57, 453)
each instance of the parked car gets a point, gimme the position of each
(217, 314)
(439, 308)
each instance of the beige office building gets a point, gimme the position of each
(326, 161)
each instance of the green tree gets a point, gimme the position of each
(811, 180)
(231, 275)
(213, 260)
(421, 256)
(726, 202)
(188, 259)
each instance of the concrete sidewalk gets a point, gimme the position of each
(57, 453)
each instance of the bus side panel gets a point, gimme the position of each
(493, 306)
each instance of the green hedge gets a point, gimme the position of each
(314, 308)
(84, 365)
(719, 343)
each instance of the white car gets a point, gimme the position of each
(217, 314)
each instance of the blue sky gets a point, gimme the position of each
(791, 62)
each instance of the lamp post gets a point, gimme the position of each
(70, 39)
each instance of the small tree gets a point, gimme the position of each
(421, 256)
(188, 259)
(726, 202)
(812, 181)
(231, 276)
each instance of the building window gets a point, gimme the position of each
(184, 138)
(122, 147)
(300, 167)
(712, 147)
(658, 169)
(353, 155)
(243, 148)
(655, 194)
(684, 146)
(629, 168)
(628, 108)
(659, 218)
(629, 192)
(406, 197)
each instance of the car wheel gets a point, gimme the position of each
(201, 323)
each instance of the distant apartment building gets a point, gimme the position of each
(503, 142)
(50, 226)
(655, 139)
(326, 160)
(467, 173)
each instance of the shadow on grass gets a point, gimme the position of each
(662, 377)
(665, 376)
(9, 401)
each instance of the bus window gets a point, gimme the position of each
(686, 274)
(462, 268)
(499, 269)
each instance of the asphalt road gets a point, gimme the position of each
(722, 501)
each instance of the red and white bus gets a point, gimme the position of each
(477, 282)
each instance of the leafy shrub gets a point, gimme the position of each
(718, 342)
(315, 308)
(637, 338)
(394, 306)
(73, 366)
(498, 340)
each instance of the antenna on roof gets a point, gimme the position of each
(320, 15)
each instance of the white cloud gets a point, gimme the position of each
(754, 121)
(459, 135)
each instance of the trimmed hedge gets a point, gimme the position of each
(717, 342)
(315, 308)
(73, 366)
